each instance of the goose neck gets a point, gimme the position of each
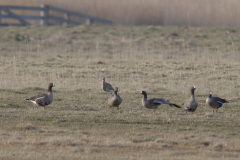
(50, 89)
(145, 96)
(192, 92)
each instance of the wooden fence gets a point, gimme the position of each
(45, 17)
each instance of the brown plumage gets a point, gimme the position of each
(215, 102)
(191, 104)
(43, 99)
(106, 86)
(114, 100)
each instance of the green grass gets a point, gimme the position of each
(163, 61)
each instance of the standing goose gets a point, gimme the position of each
(43, 99)
(114, 100)
(215, 102)
(191, 104)
(106, 86)
(155, 102)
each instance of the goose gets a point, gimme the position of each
(106, 86)
(191, 104)
(215, 102)
(155, 102)
(114, 100)
(43, 99)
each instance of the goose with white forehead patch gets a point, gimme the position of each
(191, 104)
(43, 99)
(155, 102)
(215, 102)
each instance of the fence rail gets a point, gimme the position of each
(45, 18)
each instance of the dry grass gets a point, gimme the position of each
(164, 61)
(154, 12)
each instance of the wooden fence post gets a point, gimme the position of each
(66, 17)
(44, 14)
(89, 22)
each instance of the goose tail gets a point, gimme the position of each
(175, 105)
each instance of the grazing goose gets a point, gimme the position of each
(191, 104)
(106, 86)
(43, 99)
(215, 102)
(114, 100)
(155, 102)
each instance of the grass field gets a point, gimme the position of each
(163, 61)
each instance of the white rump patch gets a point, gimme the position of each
(33, 102)
(221, 102)
(36, 100)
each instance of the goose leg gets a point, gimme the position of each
(186, 113)
(118, 107)
(43, 107)
(213, 109)
(216, 109)
(153, 111)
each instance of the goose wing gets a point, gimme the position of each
(39, 99)
(220, 101)
(109, 87)
(164, 101)
(161, 100)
